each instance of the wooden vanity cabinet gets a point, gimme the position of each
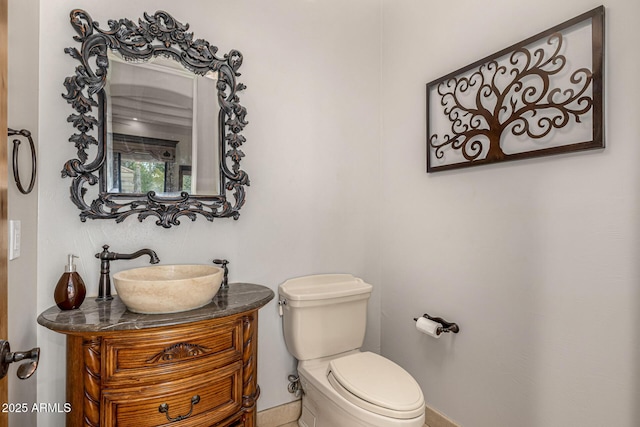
(190, 375)
(196, 368)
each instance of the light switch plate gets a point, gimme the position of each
(14, 239)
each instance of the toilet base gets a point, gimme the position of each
(322, 406)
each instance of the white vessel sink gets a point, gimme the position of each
(167, 288)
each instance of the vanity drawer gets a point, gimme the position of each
(137, 359)
(202, 400)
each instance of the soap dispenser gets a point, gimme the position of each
(70, 290)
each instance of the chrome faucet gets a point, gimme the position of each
(104, 286)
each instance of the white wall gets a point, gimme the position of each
(23, 114)
(312, 71)
(536, 260)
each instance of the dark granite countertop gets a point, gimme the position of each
(107, 316)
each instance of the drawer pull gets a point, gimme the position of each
(164, 408)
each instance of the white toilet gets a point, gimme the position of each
(324, 320)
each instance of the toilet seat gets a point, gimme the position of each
(377, 385)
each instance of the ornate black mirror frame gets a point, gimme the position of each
(155, 35)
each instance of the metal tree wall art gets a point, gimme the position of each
(542, 96)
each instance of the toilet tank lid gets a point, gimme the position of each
(323, 286)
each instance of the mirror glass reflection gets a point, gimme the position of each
(162, 129)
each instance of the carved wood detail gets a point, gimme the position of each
(179, 351)
(250, 389)
(91, 380)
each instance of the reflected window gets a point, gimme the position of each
(140, 176)
(185, 178)
(142, 164)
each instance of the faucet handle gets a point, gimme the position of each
(225, 279)
(104, 253)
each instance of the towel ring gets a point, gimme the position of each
(16, 173)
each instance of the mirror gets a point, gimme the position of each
(159, 128)
(160, 111)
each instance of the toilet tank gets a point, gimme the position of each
(324, 314)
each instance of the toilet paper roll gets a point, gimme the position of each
(429, 327)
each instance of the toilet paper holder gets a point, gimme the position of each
(446, 326)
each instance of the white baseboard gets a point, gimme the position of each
(434, 418)
(282, 415)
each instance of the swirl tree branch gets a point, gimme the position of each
(525, 94)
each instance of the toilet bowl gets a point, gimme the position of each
(337, 395)
(324, 321)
